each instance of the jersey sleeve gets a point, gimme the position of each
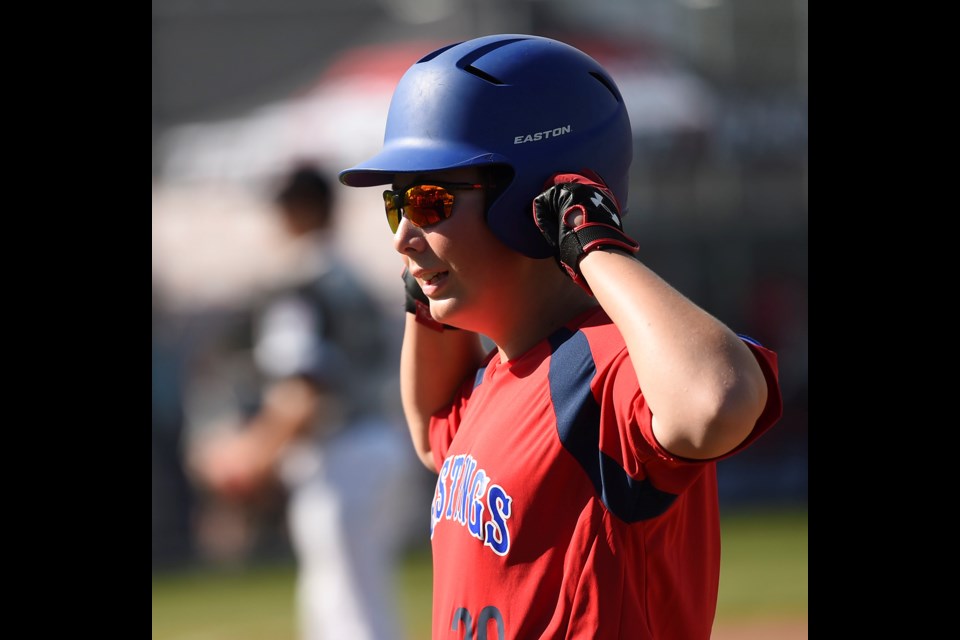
(627, 437)
(767, 360)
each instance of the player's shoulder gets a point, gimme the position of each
(600, 335)
(598, 328)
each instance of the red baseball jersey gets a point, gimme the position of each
(557, 514)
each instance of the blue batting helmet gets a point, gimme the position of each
(536, 105)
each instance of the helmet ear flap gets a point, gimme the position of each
(498, 178)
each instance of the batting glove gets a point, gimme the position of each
(565, 196)
(418, 304)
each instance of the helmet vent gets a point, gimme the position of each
(483, 75)
(606, 82)
(434, 54)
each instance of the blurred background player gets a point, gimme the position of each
(321, 429)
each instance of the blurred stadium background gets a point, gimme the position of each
(717, 91)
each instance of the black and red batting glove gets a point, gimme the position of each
(565, 196)
(418, 304)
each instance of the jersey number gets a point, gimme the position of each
(486, 615)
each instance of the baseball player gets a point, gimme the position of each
(321, 428)
(576, 494)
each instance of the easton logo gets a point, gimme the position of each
(542, 135)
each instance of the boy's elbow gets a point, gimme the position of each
(735, 414)
(720, 428)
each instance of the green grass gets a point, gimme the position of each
(763, 565)
(414, 587)
(763, 575)
(255, 603)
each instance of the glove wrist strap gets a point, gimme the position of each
(586, 239)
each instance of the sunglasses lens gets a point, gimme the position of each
(393, 210)
(423, 205)
(428, 204)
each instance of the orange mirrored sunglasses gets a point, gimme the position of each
(423, 204)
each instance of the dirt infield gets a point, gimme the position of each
(761, 630)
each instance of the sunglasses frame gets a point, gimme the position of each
(397, 198)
